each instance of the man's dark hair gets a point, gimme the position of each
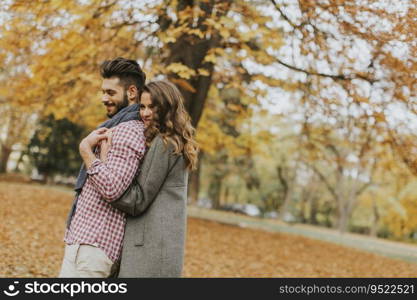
(127, 70)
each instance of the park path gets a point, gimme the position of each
(392, 249)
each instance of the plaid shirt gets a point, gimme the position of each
(95, 221)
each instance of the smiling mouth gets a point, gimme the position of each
(110, 107)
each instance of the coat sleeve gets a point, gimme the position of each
(150, 180)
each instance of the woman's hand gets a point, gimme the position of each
(105, 145)
(92, 140)
(89, 142)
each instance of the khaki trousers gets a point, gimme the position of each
(85, 261)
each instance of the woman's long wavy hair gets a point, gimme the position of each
(171, 121)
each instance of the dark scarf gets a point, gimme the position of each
(128, 113)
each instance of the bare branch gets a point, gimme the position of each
(363, 188)
(324, 179)
(102, 9)
(284, 16)
(335, 77)
(126, 23)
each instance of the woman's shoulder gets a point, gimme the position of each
(165, 146)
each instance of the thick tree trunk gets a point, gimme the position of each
(348, 201)
(194, 182)
(5, 155)
(193, 186)
(343, 222)
(191, 50)
(344, 215)
(192, 56)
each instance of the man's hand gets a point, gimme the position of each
(89, 142)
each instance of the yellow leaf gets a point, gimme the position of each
(203, 72)
(196, 32)
(379, 117)
(167, 39)
(181, 70)
(224, 33)
(184, 84)
(211, 57)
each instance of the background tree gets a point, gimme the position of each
(15, 131)
(53, 149)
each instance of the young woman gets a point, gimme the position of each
(154, 239)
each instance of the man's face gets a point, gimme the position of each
(114, 96)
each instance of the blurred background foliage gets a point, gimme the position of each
(305, 110)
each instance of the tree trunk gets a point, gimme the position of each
(191, 50)
(194, 182)
(284, 184)
(342, 224)
(343, 220)
(303, 209)
(5, 154)
(226, 195)
(285, 206)
(347, 205)
(312, 218)
(192, 55)
(214, 191)
(375, 219)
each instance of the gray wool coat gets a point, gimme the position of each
(154, 239)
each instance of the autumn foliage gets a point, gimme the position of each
(301, 107)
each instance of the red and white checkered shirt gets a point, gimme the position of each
(95, 221)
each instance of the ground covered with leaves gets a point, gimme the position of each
(33, 221)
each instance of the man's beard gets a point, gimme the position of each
(120, 105)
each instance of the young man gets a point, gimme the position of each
(95, 229)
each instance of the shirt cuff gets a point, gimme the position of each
(94, 169)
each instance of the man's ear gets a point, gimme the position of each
(132, 93)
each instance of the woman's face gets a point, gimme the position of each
(146, 109)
